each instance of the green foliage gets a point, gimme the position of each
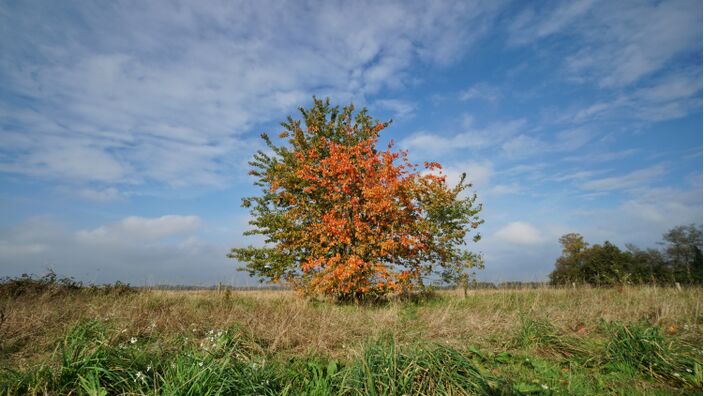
(607, 265)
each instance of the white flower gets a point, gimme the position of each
(544, 386)
(149, 368)
(200, 364)
(133, 340)
(140, 376)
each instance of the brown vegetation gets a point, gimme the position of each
(284, 324)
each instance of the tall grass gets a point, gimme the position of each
(493, 342)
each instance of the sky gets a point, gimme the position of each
(126, 127)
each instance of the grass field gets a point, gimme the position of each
(639, 340)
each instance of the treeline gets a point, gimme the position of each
(679, 260)
(51, 284)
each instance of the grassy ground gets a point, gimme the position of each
(640, 340)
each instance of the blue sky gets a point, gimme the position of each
(126, 127)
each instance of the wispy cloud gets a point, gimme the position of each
(481, 91)
(630, 180)
(614, 43)
(602, 156)
(155, 92)
(530, 25)
(109, 194)
(399, 108)
(525, 145)
(472, 137)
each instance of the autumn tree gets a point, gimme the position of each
(343, 218)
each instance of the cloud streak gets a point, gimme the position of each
(141, 92)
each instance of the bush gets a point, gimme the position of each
(50, 284)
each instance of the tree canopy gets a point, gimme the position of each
(343, 218)
(606, 264)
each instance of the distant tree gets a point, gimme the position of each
(569, 265)
(683, 252)
(606, 264)
(648, 266)
(343, 218)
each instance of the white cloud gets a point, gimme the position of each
(525, 145)
(602, 156)
(429, 143)
(670, 96)
(122, 251)
(646, 215)
(156, 92)
(400, 108)
(478, 173)
(615, 43)
(529, 26)
(520, 233)
(108, 194)
(633, 179)
(141, 229)
(481, 91)
(505, 189)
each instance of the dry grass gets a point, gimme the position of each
(286, 325)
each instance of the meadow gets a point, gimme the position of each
(579, 341)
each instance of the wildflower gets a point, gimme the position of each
(200, 364)
(544, 386)
(133, 340)
(149, 368)
(140, 377)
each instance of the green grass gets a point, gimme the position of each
(95, 359)
(640, 341)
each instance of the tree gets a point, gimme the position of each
(606, 265)
(683, 250)
(601, 265)
(648, 266)
(345, 219)
(680, 260)
(569, 265)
